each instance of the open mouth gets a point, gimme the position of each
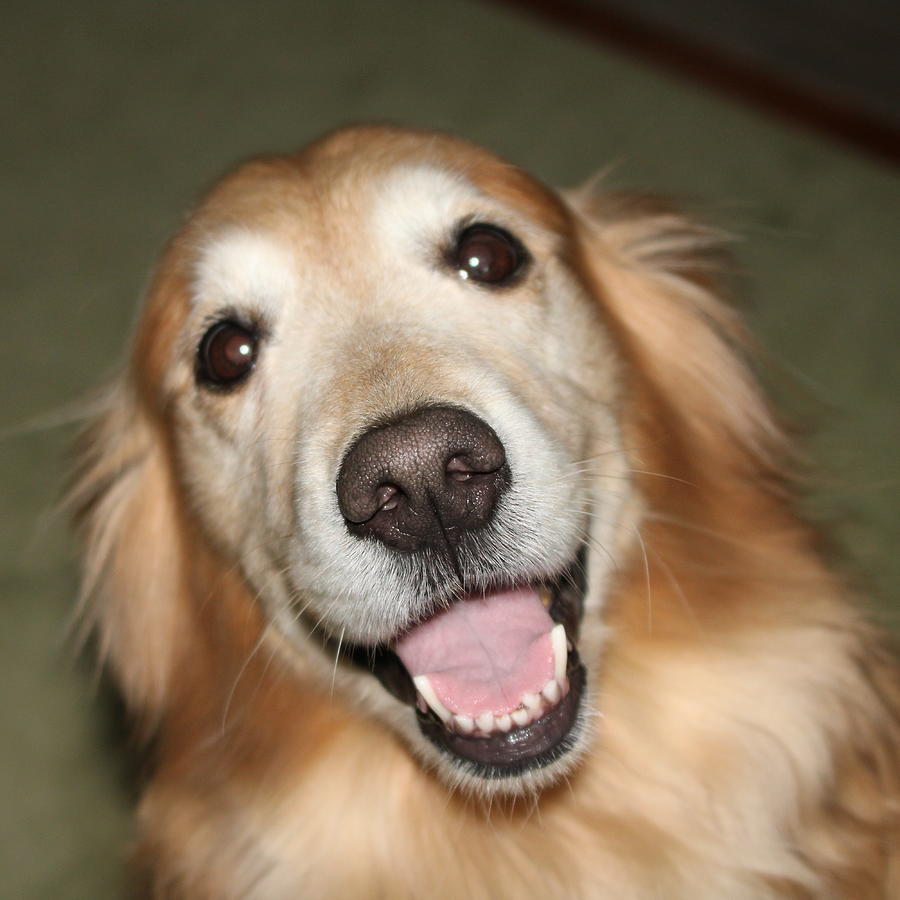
(495, 677)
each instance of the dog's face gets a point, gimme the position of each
(393, 403)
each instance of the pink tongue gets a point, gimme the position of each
(484, 652)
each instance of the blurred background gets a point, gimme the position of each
(778, 121)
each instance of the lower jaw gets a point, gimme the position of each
(519, 750)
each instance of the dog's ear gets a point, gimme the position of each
(697, 406)
(124, 500)
(125, 510)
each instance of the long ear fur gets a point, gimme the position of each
(657, 275)
(126, 512)
(704, 424)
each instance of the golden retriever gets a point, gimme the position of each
(440, 536)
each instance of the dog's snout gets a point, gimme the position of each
(424, 480)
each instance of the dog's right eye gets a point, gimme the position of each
(226, 355)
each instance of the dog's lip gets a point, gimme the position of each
(533, 745)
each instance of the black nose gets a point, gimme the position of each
(423, 481)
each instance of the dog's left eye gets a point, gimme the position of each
(488, 255)
(226, 355)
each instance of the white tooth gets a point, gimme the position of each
(532, 701)
(521, 717)
(551, 690)
(464, 725)
(423, 686)
(485, 722)
(558, 642)
(504, 722)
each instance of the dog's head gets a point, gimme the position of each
(404, 395)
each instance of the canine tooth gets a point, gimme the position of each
(464, 724)
(551, 690)
(560, 655)
(546, 596)
(485, 722)
(521, 717)
(423, 686)
(504, 722)
(532, 701)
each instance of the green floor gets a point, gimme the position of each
(121, 110)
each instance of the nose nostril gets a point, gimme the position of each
(459, 469)
(387, 497)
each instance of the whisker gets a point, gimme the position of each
(231, 694)
(337, 656)
(676, 586)
(640, 538)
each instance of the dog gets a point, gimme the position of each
(440, 538)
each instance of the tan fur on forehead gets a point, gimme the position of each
(325, 177)
(369, 151)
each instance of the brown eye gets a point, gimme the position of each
(226, 354)
(488, 255)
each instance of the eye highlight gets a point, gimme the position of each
(226, 354)
(487, 255)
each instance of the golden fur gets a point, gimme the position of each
(746, 742)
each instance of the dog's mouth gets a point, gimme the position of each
(495, 677)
